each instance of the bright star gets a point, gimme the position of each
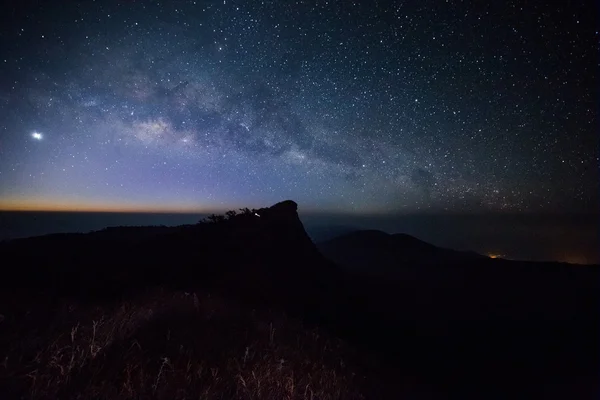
(36, 135)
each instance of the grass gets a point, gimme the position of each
(173, 345)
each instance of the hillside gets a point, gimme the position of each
(246, 306)
(377, 252)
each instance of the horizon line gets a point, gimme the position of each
(309, 211)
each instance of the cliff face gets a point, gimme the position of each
(268, 254)
(282, 220)
(273, 235)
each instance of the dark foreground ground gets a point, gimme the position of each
(248, 307)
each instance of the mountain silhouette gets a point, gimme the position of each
(372, 251)
(414, 319)
(267, 247)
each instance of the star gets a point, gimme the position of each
(335, 117)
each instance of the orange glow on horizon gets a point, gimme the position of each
(575, 259)
(70, 206)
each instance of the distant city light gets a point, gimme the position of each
(494, 255)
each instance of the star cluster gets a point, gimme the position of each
(346, 106)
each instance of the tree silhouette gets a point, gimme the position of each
(215, 219)
(231, 214)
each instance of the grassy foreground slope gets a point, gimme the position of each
(171, 345)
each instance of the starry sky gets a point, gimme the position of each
(359, 107)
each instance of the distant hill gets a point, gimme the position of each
(372, 251)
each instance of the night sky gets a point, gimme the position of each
(361, 107)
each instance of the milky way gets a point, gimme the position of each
(344, 106)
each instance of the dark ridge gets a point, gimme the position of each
(372, 251)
